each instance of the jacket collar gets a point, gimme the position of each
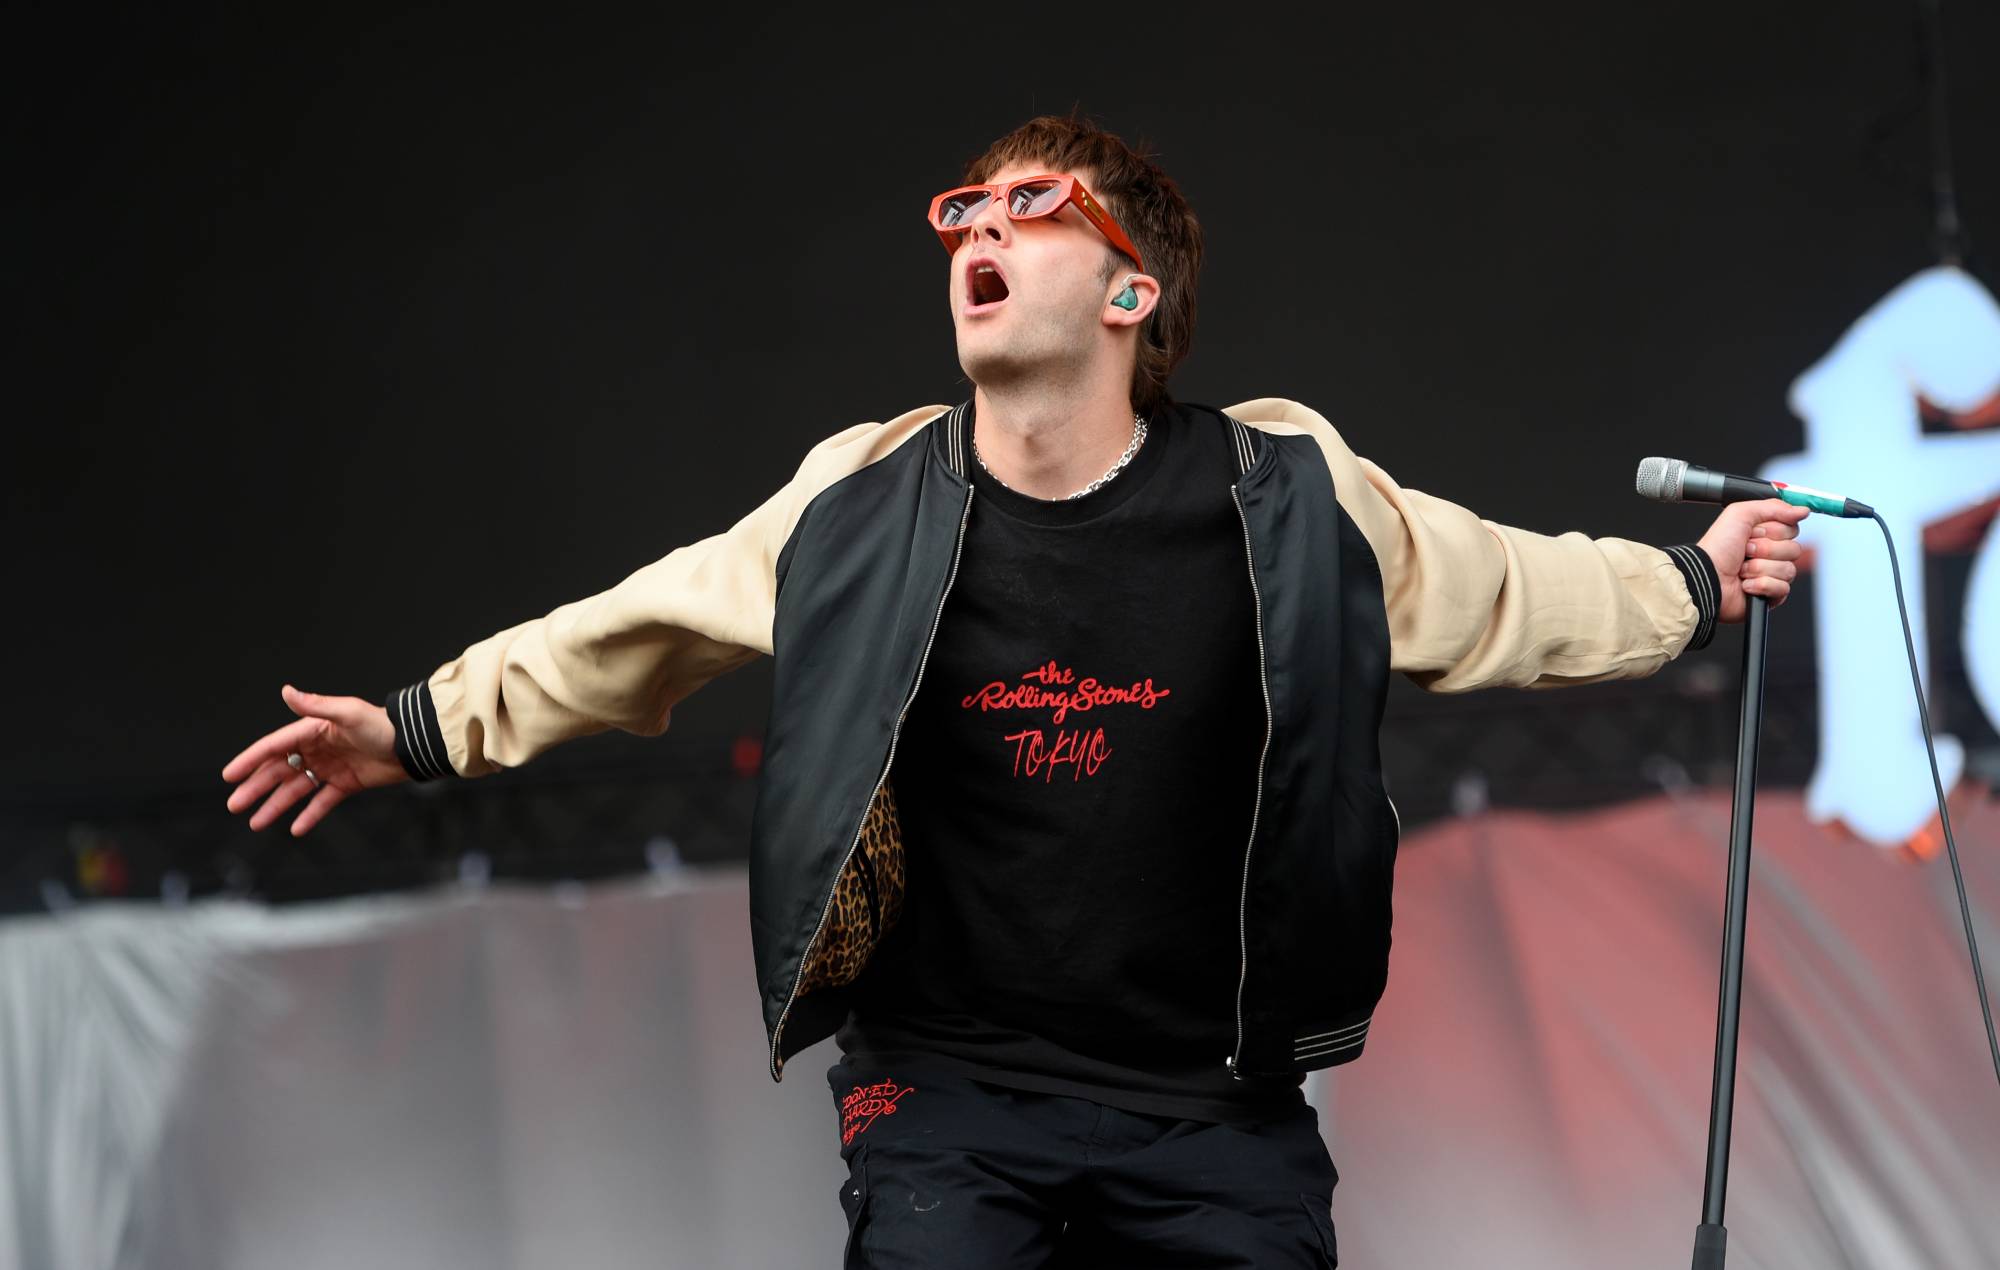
(951, 440)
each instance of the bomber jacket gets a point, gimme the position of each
(841, 576)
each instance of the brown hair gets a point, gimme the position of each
(1146, 204)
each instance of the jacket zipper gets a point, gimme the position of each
(1257, 805)
(895, 734)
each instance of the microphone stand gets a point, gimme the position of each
(1710, 1237)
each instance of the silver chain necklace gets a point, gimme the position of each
(1138, 439)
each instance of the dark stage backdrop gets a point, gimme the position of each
(351, 340)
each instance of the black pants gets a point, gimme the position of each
(946, 1172)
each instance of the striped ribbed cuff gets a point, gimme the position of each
(419, 738)
(1704, 587)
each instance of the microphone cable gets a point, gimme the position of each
(1937, 782)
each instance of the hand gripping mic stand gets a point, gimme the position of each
(1710, 1237)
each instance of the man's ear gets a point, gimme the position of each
(1131, 300)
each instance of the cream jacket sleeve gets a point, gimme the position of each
(1476, 604)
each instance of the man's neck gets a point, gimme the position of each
(1050, 444)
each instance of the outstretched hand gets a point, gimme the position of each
(1755, 548)
(348, 743)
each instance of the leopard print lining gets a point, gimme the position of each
(866, 901)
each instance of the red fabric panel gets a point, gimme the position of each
(1535, 1090)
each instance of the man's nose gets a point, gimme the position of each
(991, 224)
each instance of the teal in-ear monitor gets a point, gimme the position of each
(1128, 299)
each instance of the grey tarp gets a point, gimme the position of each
(575, 1076)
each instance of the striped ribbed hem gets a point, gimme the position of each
(1314, 1045)
(1704, 587)
(419, 738)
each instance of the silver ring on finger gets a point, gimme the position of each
(296, 760)
(314, 779)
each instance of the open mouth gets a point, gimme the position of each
(985, 286)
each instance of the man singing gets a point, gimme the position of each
(1072, 826)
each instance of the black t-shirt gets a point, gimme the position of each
(1075, 780)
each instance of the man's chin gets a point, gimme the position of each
(993, 367)
(997, 360)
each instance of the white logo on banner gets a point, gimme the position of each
(1936, 336)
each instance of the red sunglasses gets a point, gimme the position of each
(1024, 199)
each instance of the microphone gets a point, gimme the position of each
(1678, 481)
